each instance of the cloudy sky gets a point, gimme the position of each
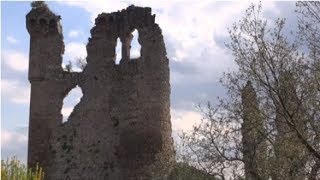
(195, 33)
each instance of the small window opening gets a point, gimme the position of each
(69, 102)
(52, 23)
(42, 21)
(32, 21)
(118, 51)
(135, 46)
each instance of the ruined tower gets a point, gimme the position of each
(254, 146)
(121, 127)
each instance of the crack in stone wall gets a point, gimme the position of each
(121, 127)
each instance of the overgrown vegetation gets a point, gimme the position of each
(38, 4)
(268, 126)
(13, 169)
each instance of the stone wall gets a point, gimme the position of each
(121, 127)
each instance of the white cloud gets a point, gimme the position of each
(194, 33)
(15, 91)
(12, 40)
(191, 31)
(135, 53)
(66, 111)
(9, 137)
(14, 143)
(74, 50)
(74, 33)
(183, 120)
(15, 60)
(96, 7)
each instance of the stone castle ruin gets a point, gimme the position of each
(120, 129)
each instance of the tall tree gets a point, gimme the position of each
(309, 35)
(270, 127)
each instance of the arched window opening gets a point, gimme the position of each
(135, 46)
(118, 51)
(70, 101)
(130, 49)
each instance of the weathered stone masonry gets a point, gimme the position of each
(121, 128)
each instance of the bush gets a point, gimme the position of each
(13, 169)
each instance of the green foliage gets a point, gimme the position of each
(13, 169)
